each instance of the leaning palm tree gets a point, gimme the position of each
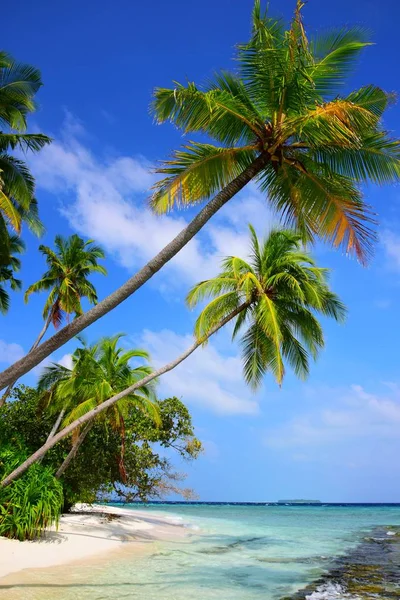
(98, 372)
(7, 271)
(19, 84)
(276, 295)
(66, 280)
(274, 298)
(280, 121)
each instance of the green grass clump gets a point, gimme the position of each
(30, 504)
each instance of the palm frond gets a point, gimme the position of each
(282, 291)
(335, 55)
(196, 173)
(25, 142)
(215, 111)
(378, 160)
(209, 288)
(214, 312)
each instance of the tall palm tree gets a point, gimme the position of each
(98, 372)
(19, 84)
(281, 114)
(7, 270)
(280, 121)
(276, 295)
(66, 280)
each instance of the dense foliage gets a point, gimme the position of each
(96, 467)
(19, 84)
(8, 267)
(31, 504)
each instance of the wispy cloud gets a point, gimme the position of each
(391, 245)
(207, 378)
(66, 361)
(341, 423)
(105, 198)
(10, 352)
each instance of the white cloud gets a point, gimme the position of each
(9, 353)
(105, 198)
(66, 361)
(207, 378)
(353, 416)
(391, 244)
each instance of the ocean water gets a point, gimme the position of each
(247, 552)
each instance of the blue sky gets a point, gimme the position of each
(335, 437)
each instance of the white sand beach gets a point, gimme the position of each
(86, 532)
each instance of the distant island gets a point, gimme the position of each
(297, 501)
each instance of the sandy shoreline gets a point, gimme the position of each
(87, 532)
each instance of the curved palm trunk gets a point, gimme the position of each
(74, 450)
(35, 345)
(111, 401)
(33, 358)
(43, 331)
(121, 464)
(55, 427)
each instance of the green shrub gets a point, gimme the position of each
(30, 504)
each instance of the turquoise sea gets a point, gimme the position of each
(250, 552)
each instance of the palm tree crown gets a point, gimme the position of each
(69, 267)
(98, 372)
(282, 106)
(18, 85)
(275, 295)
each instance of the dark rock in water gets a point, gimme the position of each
(237, 544)
(369, 571)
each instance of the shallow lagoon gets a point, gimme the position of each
(237, 553)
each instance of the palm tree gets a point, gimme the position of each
(69, 267)
(280, 122)
(66, 280)
(98, 372)
(16, 246)
(18, 85)
(276, 296)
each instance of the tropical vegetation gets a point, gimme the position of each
(67, 280)
(276, 296)
(8, 268)
(31, 504)
(19, 84)
(98, 372)
(281, 121)
(26, 421)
